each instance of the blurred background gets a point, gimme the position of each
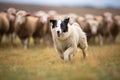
(81, 6)
(36, 58)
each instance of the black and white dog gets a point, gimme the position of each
(67, 38)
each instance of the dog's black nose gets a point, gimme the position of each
(58, 32)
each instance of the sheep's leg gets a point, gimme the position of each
(49, 40)
(68, 52)
(92, 40)
(8, 38)
(0, 39)
(45, 40)
(25, 43)
(13, 37)
(37, 41)
(28, 42)
(101, 40)
(111, 38)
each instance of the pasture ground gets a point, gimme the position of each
(43, 63)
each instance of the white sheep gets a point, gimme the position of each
(4, 24)
(25, 26)
(11, 17)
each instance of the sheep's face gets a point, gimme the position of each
(21, 17)
(108, 17)
(60, 28)
(93, 26)
(44, 18)
(11, 16)
(89, 17)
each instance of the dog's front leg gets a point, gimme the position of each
(68, 52)
(60, 53)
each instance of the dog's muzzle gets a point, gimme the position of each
(58, 33)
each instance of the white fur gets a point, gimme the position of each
(67, 43)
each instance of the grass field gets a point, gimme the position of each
(43, 63)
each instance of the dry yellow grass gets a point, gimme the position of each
(43, 63)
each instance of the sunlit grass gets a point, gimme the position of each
(43, 63)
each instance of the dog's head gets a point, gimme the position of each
(60, 27)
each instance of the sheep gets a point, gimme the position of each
(11, 17)
(117, 20)
(94, 29)
(85, 26)
(89, 16)
(91, 25)
(110, 28)
(25, 26)
(52, 13)
(4, 24)
(44, 27)
(101, 25)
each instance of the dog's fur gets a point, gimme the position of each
(67, 38)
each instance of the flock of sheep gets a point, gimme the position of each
(24, 24)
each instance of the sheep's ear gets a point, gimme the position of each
(5, 10)
(13, 14)
(28, 14)
(66, 20)
(54, 22)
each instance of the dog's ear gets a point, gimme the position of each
(54, 22)
(66, 20)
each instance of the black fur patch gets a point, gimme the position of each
(64, 25)
(54, 22)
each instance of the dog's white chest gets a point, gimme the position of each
(62, 45)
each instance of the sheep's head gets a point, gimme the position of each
(89, 16)
(43, 16)
(93, 26)
(73, 17)
(11, 12)
(21, 16)
(108, 17)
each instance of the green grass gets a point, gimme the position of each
(43, 63)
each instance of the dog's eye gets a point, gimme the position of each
(64, 27)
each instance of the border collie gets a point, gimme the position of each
(67, 38)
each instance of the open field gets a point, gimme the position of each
(43, 63)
